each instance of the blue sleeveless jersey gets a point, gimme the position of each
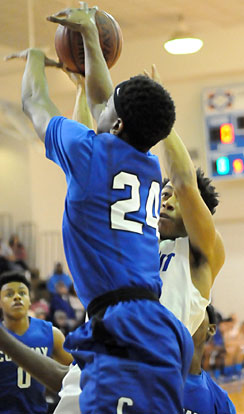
(112, 203)
(203, 396)
(19, 392)
(110, 240)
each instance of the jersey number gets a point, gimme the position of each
(23, 378)
(133, 204)
(122, 401)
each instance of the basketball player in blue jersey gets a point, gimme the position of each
(201, 394)
(19, 392)
(133, 351)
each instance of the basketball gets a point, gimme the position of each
(69, 44)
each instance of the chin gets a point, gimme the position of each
(165, 231)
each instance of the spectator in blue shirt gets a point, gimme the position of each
(58, 276)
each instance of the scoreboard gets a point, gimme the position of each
(224, 124)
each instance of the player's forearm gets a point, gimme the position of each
(44, 369)
(34, 83)
(177, 162)
(35, 96)
(81, 111)
(99, 86)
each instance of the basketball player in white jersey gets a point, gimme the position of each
(191, 249)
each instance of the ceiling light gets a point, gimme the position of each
(182, 42)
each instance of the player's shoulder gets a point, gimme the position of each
(178, 243)
(214, 384)
(36, 323)
(67, 125)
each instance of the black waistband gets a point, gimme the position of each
(119, 295)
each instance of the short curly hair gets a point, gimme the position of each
(14, 276)
(207, 191)
(147, 111)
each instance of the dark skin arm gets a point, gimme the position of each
(205, 241)
(98, 81)
(44, 369)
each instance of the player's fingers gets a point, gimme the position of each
(93, 10)
(53, 19)
(56, 17)
(146, 73)
(51, 62)
(9, 57)
(84, 5)
(13, 56)
(155, 73)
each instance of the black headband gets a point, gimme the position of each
(117, 102)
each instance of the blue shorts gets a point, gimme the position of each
(140, 364)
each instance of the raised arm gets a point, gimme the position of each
(197, 218)
(81, 112)
(44, 369)
(36, 102)
(99, 85)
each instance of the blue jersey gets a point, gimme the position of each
(111, 209)
(139, 354)
(19, 392)
(203, 396)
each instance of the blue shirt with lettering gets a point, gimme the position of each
(203, 396)
(111, 208)
(19, 392)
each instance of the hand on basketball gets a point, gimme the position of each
(154, 74)
(24, 54)
(76, 78)
(75, 19)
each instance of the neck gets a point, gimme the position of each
(18, 326)
(196, 367)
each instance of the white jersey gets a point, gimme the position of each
(179, 295)
(70, 392)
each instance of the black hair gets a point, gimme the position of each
(146, 109)
(207, 190)
(13, 276)
(211, 314)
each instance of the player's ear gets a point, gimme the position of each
(117, 127)
(212, 329)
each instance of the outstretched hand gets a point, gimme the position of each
(24, 54)
(154, 74)
(75, 19)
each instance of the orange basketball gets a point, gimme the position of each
(69, 44)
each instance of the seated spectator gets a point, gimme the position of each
(19, 252)
(5, 250)
(40, 309)
(60, 301)
(61, 322)
(58, 276)
(80, 312)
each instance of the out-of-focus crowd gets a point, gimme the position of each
(224, 353)
(53, 299)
